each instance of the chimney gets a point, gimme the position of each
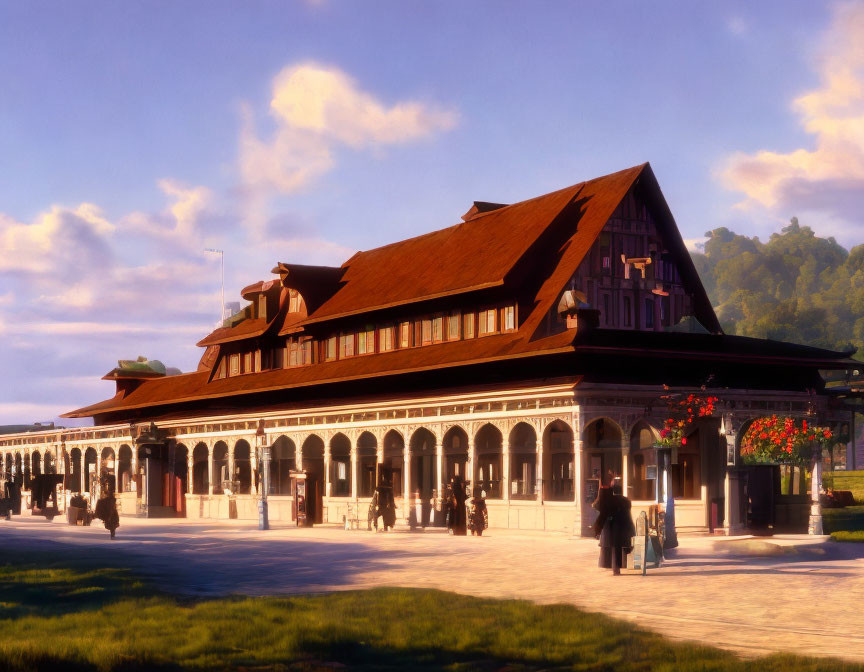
(574, 309)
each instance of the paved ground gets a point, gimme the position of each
(785, 594)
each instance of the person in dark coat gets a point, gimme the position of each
(13, 494)
(106, 506)
(385, 504)
(614, 526)
(479, 513)
(457, 519)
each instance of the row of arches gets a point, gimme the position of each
(506, 467)
(525, 478)
(77, 464)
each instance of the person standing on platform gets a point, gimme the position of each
(614, 526)
(479, 514)
(386, 505)
(106, 506)
(458, 519)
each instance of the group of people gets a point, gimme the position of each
(460, 514)
(106, 504)
(614, 525)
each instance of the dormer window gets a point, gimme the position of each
(488, 322)
(437, 328)
(469, 325)
(294, 302)
(453, 326)
(262, 307)
(385, 339)
(404, 334)
(508, 318)
(366, 341)
(346, 346)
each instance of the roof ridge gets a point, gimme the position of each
(497, 211)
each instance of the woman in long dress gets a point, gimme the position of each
(106, 506)
(458, 518)
(614, 526)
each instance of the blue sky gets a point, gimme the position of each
(133, 135)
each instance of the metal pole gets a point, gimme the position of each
(264, 463)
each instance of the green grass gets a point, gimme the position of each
(845, 535)
(848, 519)
(66, 614)
(847, 480)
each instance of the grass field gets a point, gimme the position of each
(847, 480)
(66, 614)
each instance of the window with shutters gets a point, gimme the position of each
(346, 346)
(453, 325)
(366, 341)
(385, 339)
(508, 318)
(404, 334)
(437, 328)
(488, 322)
(468, 319)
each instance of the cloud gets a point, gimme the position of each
(828, 177)
(57, 240)
(317, 109)
(81, 288)
(695, 244)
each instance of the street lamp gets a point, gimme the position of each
(221, 254)
(263, 451)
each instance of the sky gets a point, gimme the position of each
(133, 135)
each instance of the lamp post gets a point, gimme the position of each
(263, 451)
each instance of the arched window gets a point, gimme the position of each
(488, 462)
(523, 462)
(558, 458)
(282, 461)
(340, 466)
(367, 461)
(643, 464)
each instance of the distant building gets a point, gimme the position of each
(525, 349)
(35, 427)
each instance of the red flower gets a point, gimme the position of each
(683, 440)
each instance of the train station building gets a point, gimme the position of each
(528, 348)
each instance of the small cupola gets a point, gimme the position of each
(574, 309)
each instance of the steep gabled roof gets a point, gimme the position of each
(469, 256)
(489, 250)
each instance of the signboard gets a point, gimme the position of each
(650, 472)
(592, 489)
(730, 450)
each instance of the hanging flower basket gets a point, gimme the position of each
(682, 412)
(781, 440)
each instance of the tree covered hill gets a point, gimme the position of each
(794, 287)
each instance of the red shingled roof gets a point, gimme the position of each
(483, 252)
(245, 329)
(466, 257)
